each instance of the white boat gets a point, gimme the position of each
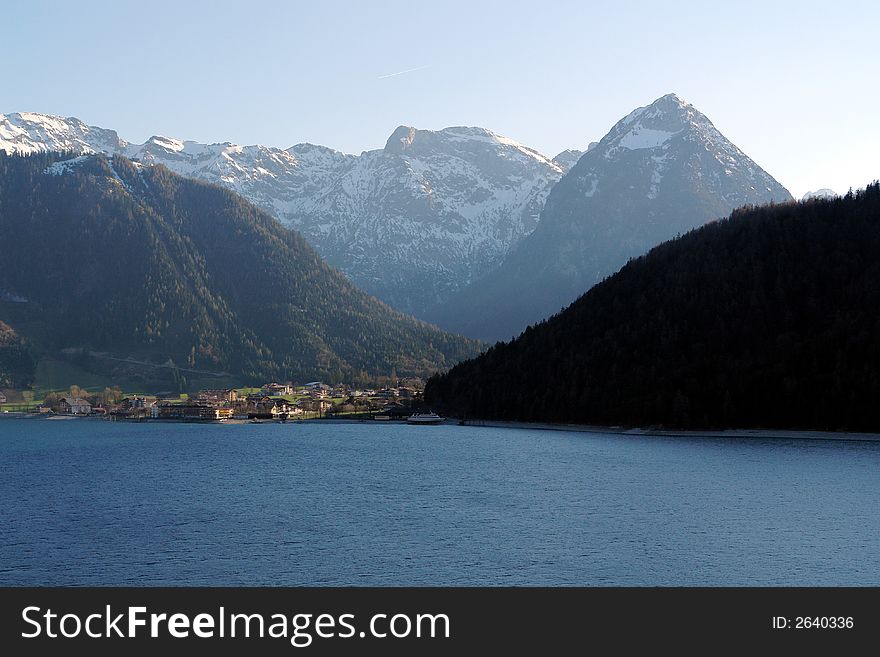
(425, 418)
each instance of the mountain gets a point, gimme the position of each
(28, 132)
(430, 212)
(411, 223)
(819, 193)
(661, 170)
(766, 319)
(131, 263)
(568, 158)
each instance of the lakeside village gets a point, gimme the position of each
(272, 402)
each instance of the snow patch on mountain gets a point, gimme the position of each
(640, 137)
(63, 166)
(593, 183)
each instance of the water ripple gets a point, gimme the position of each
(333, 504)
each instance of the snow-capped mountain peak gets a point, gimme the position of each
(654, 125)
(406, 140)
(29, 132)
(664, 131)
(166, 142)
(315, 155)
(820, 193)
(568, 158)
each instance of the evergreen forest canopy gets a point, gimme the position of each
(109, 256)
(770, 318)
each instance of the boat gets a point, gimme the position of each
(425, 418)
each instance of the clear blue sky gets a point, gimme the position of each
(794, 84)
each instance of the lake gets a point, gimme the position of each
(85, 502)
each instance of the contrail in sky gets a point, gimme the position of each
(409, 70)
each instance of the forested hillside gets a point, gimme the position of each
(109, 255)
(16, 362)
(770, 318)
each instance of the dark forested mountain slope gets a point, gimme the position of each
(114, 256)
(770, 318)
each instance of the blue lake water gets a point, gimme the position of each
(96, 503)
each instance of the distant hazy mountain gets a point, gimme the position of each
(661, 170)
(819, 193)
(134, 261)
(568, 158)
(768, 319)
(410, 223)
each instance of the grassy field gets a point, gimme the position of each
(52, 374)
(58, 375)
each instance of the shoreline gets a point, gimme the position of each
(773, 434)
(781, 434)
